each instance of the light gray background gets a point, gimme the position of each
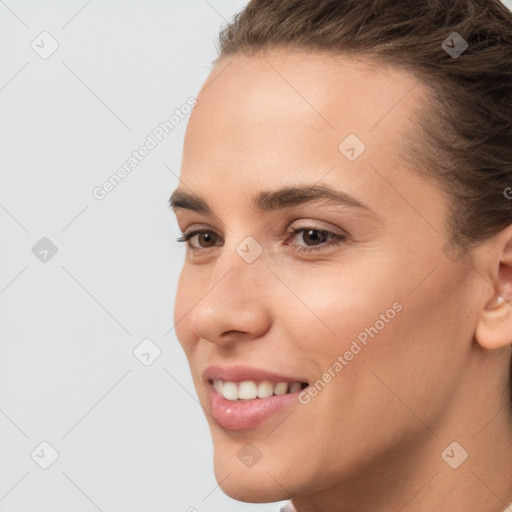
(130, 437)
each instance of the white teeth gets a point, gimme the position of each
(265, 389)
(281, 388)
(249, 389)
(230, 391)
(218, 385)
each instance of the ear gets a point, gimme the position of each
(494, 327)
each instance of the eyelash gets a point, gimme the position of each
(337, 240)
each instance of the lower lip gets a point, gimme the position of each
(246, 414)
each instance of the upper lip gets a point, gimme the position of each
(241, 372)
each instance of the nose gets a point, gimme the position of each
(234, 303)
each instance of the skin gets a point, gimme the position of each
(372, 439)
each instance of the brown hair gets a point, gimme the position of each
(464, 139)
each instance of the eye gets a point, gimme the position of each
(205, 234)
(309, 234)
(316, 236)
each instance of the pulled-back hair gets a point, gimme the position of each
(463, 138)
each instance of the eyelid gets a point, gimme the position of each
(311, 224)
(316, 225)
(196, 228)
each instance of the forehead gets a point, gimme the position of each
(283, 117)
(295, 99)
(318, 88)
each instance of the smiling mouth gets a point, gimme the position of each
(255, 389)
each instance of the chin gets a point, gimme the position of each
(253, 485)
(264, 482)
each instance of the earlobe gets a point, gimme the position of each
(494, 327)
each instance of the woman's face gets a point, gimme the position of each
(378, 317)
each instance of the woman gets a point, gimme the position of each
(346, 300)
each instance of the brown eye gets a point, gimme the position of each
(313, 235)
(320, 239)
(206, 238)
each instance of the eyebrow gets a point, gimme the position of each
(271, 200)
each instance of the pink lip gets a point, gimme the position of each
(240, 372)
(244, 415)
(241, 414)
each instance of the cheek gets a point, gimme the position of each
(339, 305)
(418, 355)
(379, 321)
